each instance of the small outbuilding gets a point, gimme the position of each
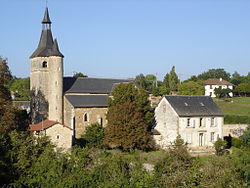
(59, 134)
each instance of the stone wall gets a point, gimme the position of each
(60, 135)
(49, 80)
(87, 116)
(166, 124)
(235, 130)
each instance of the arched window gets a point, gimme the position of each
(85, 117)
(45, 64)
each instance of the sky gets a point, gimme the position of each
(123, 38)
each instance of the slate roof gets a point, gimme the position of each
(215, 81)
(91, 85)
(194, 106)
(47, 46)
(88, 100)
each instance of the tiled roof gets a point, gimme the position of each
(194, 106)
(88, 100)
(91, 85)
(43, 125)
(215, 81)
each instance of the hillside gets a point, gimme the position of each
(236, 110)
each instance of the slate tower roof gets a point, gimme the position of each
(47, 46)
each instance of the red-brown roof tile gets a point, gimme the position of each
(215, 81)
(44, 125)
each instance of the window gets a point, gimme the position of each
(200, 122)
(188, 122)
(212, 137)
(85, 117)
(211, 87)
(210, 94)
(101, 121)
(194, 123)
(57, 137)
(212, 121)
(45, 64)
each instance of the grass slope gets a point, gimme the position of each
(238, 106)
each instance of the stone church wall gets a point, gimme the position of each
(94, 115)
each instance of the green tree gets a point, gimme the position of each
(126, 128)
(129, 93)
(94, 135)
(166, 80)
(79, 75)
(173, 80)
(219, 145)
(191, 88)
(244, 88)
(21, 89)
(215, 73)
(7, 113)
(5, 74)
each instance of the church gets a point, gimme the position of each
(62, 103)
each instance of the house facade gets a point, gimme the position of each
(197, 119)
(213, 83)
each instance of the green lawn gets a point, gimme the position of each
(239, 106)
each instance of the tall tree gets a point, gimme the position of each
(138, 96)
(215, 73)
(191, 88)
(7, 113)
(173, 80)
(5, 74)
(166, 80)
(126, 128)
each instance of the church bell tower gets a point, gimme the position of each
(46, 77)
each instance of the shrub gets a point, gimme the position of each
(94, 135)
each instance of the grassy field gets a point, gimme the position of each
(239, 106)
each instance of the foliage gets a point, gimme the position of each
(219, 145)
(129, 93)
(94, 135)
(215, 73)
(21, 89)
(191, 88)
(231, 119)
(173, 80)
(7, 112)
(245, 138)
(244, 88)
(126, 128)
(241, 160)
(236, 142)
(5, 74)
(79, 75)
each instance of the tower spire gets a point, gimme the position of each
(46, 46)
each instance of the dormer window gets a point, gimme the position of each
(45, 64)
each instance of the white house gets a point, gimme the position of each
(197, 119)
(213, 83)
